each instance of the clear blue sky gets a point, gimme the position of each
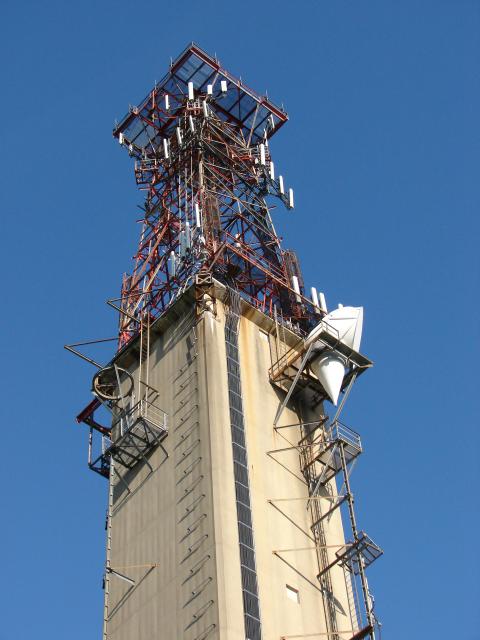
(382, 148)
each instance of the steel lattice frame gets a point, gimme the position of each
(206, 178)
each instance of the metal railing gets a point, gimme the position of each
(340, 432)
(143, 424)
(142, 410)
(298, 349)
(150, 412)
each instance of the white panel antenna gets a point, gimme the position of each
(296, 288)
(223, 86)
(272, 170)
(290, 198)
(167, 102)
(323, 302)
(172, 263)
(191, 95)
(262, 154)
(165, 148)
(280, 185)
(192, 126)
(197, 216)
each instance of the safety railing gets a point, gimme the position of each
(339, 432)
(134, 432)
(298, 349)
(142, 410)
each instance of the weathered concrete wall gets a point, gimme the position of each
(277, 476)
(175, 531)
(162, 532)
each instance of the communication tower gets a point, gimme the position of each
(230, 509)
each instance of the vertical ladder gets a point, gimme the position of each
(109, 547)
(351, 599)
(307, 462)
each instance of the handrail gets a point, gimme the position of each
(143, 408)
(295, 352)
(340, 431)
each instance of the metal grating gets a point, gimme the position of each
(134, 433)
(255, 116)
(362, 552)
(251, 607)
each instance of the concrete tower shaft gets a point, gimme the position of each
(209, 534)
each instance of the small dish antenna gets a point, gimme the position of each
(113, 383)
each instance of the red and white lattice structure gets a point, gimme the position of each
(200, 142)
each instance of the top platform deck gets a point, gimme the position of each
(254, 115)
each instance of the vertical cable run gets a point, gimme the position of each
(251, 607)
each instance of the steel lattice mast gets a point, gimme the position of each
(200, 144)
